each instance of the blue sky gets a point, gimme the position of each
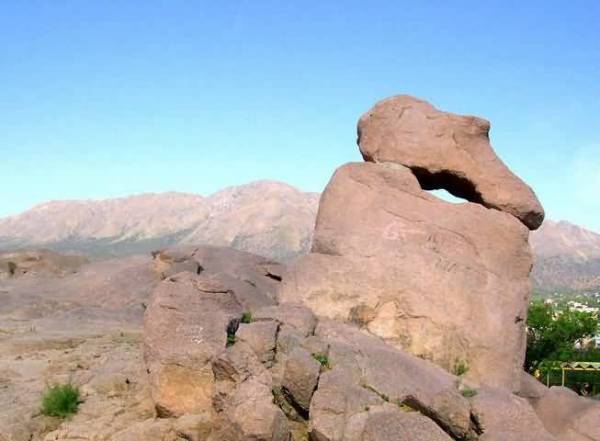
(103, 99)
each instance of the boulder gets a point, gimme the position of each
(359, 360)
(531, 389)
(446, 282)
(185, 326)
(568, 416)
(387, 423)
(293, 315)
(261, 337)
(193, 315)
(447, 151)
(301, 377)
(502, 416)
(251, 415)
(253, 278)
(237, 364)
(338, 398)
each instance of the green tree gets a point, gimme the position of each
(552, 334)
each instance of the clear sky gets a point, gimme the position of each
(108, 98)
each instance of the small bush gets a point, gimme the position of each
(467, 392)
(322, 359)
(461, 367)
(230, 339)
(247, 317)
(60, 400)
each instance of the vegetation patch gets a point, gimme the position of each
(557, 334)
(323, 360)
(247, 317)
(468, 392)
(230, 340)
(460, 368)
(61, 400)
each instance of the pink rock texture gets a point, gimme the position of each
(446, 151)
(447, 282)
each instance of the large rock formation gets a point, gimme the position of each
(447, 151)
(447, 282)
(394, 270)
(191, 315)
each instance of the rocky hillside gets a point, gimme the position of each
(567, 257)
(264, 217)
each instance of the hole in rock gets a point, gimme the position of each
(456, 185)
(448, 197)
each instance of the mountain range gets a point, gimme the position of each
(269, 218)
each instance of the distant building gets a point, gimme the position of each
(581, 307)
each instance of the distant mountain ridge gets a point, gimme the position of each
(269, 218)
(264, 217)
(567, 257)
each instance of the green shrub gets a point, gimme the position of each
(60, 400)
(322, 359)
(467, 392)
(461, 367)
(230, 339)
(247, 317)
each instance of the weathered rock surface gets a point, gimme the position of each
(366, 371)
(300, 377)
(443, 281)
(261, 337)
(20, 263)
(84, 327)
(568, 416)
(185, 327)
(251, 415)
(503, 416)
(194, 314)
(253, 278)
(388, 424)
(446, 151)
